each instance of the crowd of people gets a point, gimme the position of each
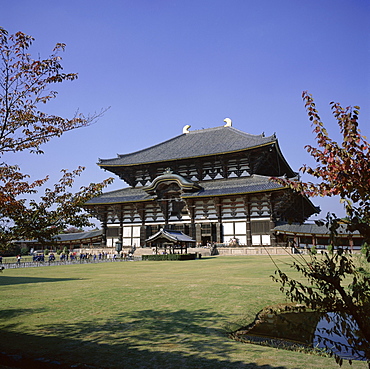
(40, 257)
(101, 256)
(86, 256)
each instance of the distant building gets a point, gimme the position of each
(211, 184)
(75, 240)
(313, 235)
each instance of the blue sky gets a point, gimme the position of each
(162, 64)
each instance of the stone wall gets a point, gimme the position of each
(233, 251)
(139, 250)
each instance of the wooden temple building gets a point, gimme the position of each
(170, 241)
(212, 185)
(310, 235)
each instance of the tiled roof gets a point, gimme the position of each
(65, 237)
(127, 194)
(309, 229)
(231, 186)
(193, 144)
(77, 236)
(174, 236)
(218, 187)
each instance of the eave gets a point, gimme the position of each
(189, 157)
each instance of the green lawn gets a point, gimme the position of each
(144, 314)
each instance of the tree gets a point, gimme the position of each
(337, 282)
(343, 169)
(24, 88)
(24, 84)
(334, 283)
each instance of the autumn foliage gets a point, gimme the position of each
(337, 282)
(25, 87)
(343, 169)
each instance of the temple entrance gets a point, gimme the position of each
(208, 233)
(206, 240)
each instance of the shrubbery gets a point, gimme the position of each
(169, 257)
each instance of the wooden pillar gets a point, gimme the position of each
(272, 222)
(198, 233)
(313, 240)
(191, 210)
(104, 228)
(219, 232)
(296, 241)
(163, 204)
(199, 169)
(192, 231)
(120, 231)
(142, 213)
(247, 212)
(224, 165)
(218, 206)
(142, 235)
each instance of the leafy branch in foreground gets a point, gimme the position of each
(55, 211)
(24, 89)
(338, 282)
(343, 169)
(333, 283)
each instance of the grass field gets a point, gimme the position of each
(145, 314)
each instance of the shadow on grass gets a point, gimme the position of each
(6, 280)
(6, 314)
(144, 339)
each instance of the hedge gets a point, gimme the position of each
(169, 257)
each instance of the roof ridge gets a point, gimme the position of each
(195, 132)
(150, 147)
(262, 135)
(219, 140)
